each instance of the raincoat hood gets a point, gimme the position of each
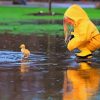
(76, 13)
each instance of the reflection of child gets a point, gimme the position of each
(81, 84)
(86, 36)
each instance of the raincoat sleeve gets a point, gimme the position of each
(80, 37)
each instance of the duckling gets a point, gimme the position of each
(25, 51)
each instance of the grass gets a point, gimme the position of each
(11, 16)
(33, 29)
(18, 13)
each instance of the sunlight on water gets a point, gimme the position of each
(14, 58)
(9, 56)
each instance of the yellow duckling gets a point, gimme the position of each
(25, 51)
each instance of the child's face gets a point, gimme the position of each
(69, 21)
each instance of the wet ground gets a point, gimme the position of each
(48, 74)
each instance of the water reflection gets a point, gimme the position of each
(41, 76)
(34, 43)
(82, 83)
(25, 65)
(24, 83)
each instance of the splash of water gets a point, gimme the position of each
(14, 58)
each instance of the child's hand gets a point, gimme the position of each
(67, 39)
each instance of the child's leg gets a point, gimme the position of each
(94, 43)
(89, 47)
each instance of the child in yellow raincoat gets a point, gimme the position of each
(86, 37)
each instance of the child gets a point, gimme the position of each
(85, 36)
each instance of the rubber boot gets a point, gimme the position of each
(85, 53)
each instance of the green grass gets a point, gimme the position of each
(30, 29)
(11, 16)
(18, 13)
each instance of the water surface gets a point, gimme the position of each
(48, 74)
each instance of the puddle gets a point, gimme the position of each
(11, 58)
(48, 74)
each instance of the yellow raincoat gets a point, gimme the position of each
(86, 35)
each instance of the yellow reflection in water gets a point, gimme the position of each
(82, 83)
(24, 66)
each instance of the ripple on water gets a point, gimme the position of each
(12, 58)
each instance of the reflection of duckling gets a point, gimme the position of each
(24, 66)
(25, 51)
